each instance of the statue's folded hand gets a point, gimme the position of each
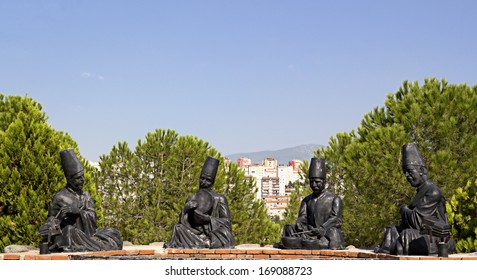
(299, 227)
(70, 209)
(190, 205)
(318, 232)
(44, 230)
(201, 219)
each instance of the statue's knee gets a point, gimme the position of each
(68, 229)
(288, 230)
(336, 239)
(398, 249)
(333, 234)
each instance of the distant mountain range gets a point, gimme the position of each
(282, 156)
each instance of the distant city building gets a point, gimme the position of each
(269, 163)
(274, 182)
(242, 162)
(276, 204)
(270, 186)
(295, 164)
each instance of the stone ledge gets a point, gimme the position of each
(151, 252)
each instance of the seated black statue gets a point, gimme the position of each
(204, 221)
(319, 219)
(424, 221)
(71, 223)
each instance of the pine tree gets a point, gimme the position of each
(250, 222)
(439, 117)
(117, 182)
(144, 190)
(30, 169)
(462, 210)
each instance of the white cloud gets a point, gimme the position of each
(88, 75)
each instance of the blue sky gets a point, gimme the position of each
(242, 75)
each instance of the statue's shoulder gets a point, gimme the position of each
(86, 194)
(220, 196)
(217, 196)
(308, 198)
(434, 190)
(61, 194)
(333, 195)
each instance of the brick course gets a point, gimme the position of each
(240, 253)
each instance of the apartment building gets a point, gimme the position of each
(272, 181)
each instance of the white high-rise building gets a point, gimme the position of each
(271, 180)
(285, 174)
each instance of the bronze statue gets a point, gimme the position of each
(319, 219)
(71, 222)
(424, 226)
(204, 221)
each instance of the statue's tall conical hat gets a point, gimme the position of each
(411, 155)
(70, 163)
(317, 168)
(210, 167)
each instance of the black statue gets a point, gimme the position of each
(424, 226)
(319, 219)
(71, 222)
(204, 221)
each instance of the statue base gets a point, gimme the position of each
(44, 248)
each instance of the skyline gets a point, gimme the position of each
(244, 76)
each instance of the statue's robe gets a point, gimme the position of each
(410, 237)
(216, 234)
(322, 211)
(79, 232)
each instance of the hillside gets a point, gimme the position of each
(283, 156)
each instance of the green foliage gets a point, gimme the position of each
(143, 191)
(463, 215)
(250, 221)
(365, 168)
(30, 169)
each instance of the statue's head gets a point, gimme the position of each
(209, 171)
(72, 168)
(413, 165)
(317, 175)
